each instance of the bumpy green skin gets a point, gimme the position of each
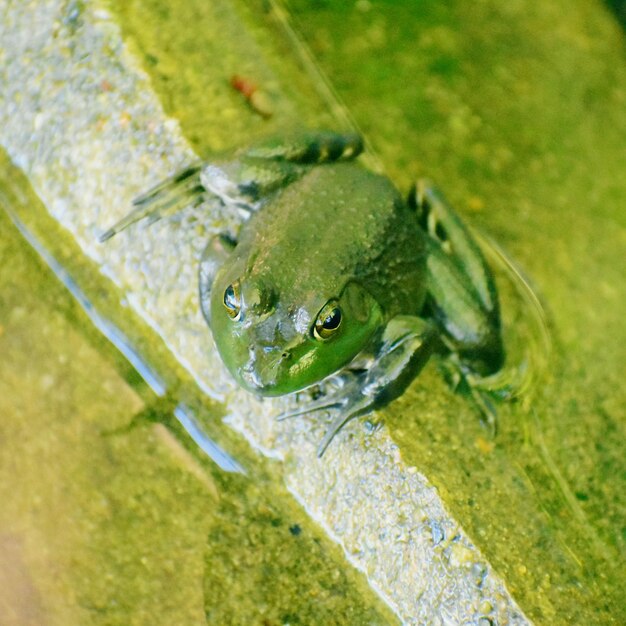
(406, 276)
(339, 232)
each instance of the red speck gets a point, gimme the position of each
(243, 85)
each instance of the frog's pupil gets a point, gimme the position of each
(333, 320)
(327, 322)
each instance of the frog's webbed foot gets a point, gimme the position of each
(344, 393)
(462, 293)
(403, 350)
(464, 381)
(168, 197)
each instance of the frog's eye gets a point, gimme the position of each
(232, 301)
(328, 321)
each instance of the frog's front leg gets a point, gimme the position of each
(398, 356)
(462, 293)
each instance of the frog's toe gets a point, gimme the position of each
(321, 404)
(362, 405)
(168, 197)
(349, 398)
(466, 382)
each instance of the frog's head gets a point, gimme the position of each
(273, 345)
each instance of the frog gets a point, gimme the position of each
(336, 288)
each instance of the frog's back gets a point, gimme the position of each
(340, 223)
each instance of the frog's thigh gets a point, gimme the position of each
(214, 256)
(407, 344)
(252, 175)
(442, 223)
(471, 330)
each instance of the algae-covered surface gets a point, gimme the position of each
(73, 77)
(517, 110)
(110, 513)
(194, 50)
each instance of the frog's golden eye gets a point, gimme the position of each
(328, 321)
(232, 301)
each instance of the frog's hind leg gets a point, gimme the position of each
(168, 197)
(243, 181)
(462, 293)
(444, 225)
(248, 179)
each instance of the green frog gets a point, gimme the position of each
(334, 281)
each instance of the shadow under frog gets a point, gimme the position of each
(334, 278)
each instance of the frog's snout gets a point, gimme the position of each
(262, 370)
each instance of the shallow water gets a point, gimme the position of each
(517, 110)
(110, 513)
(522, 125)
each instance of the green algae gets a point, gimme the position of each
(543, 500)
(518, 122)
(111, 514)
(192, 51)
